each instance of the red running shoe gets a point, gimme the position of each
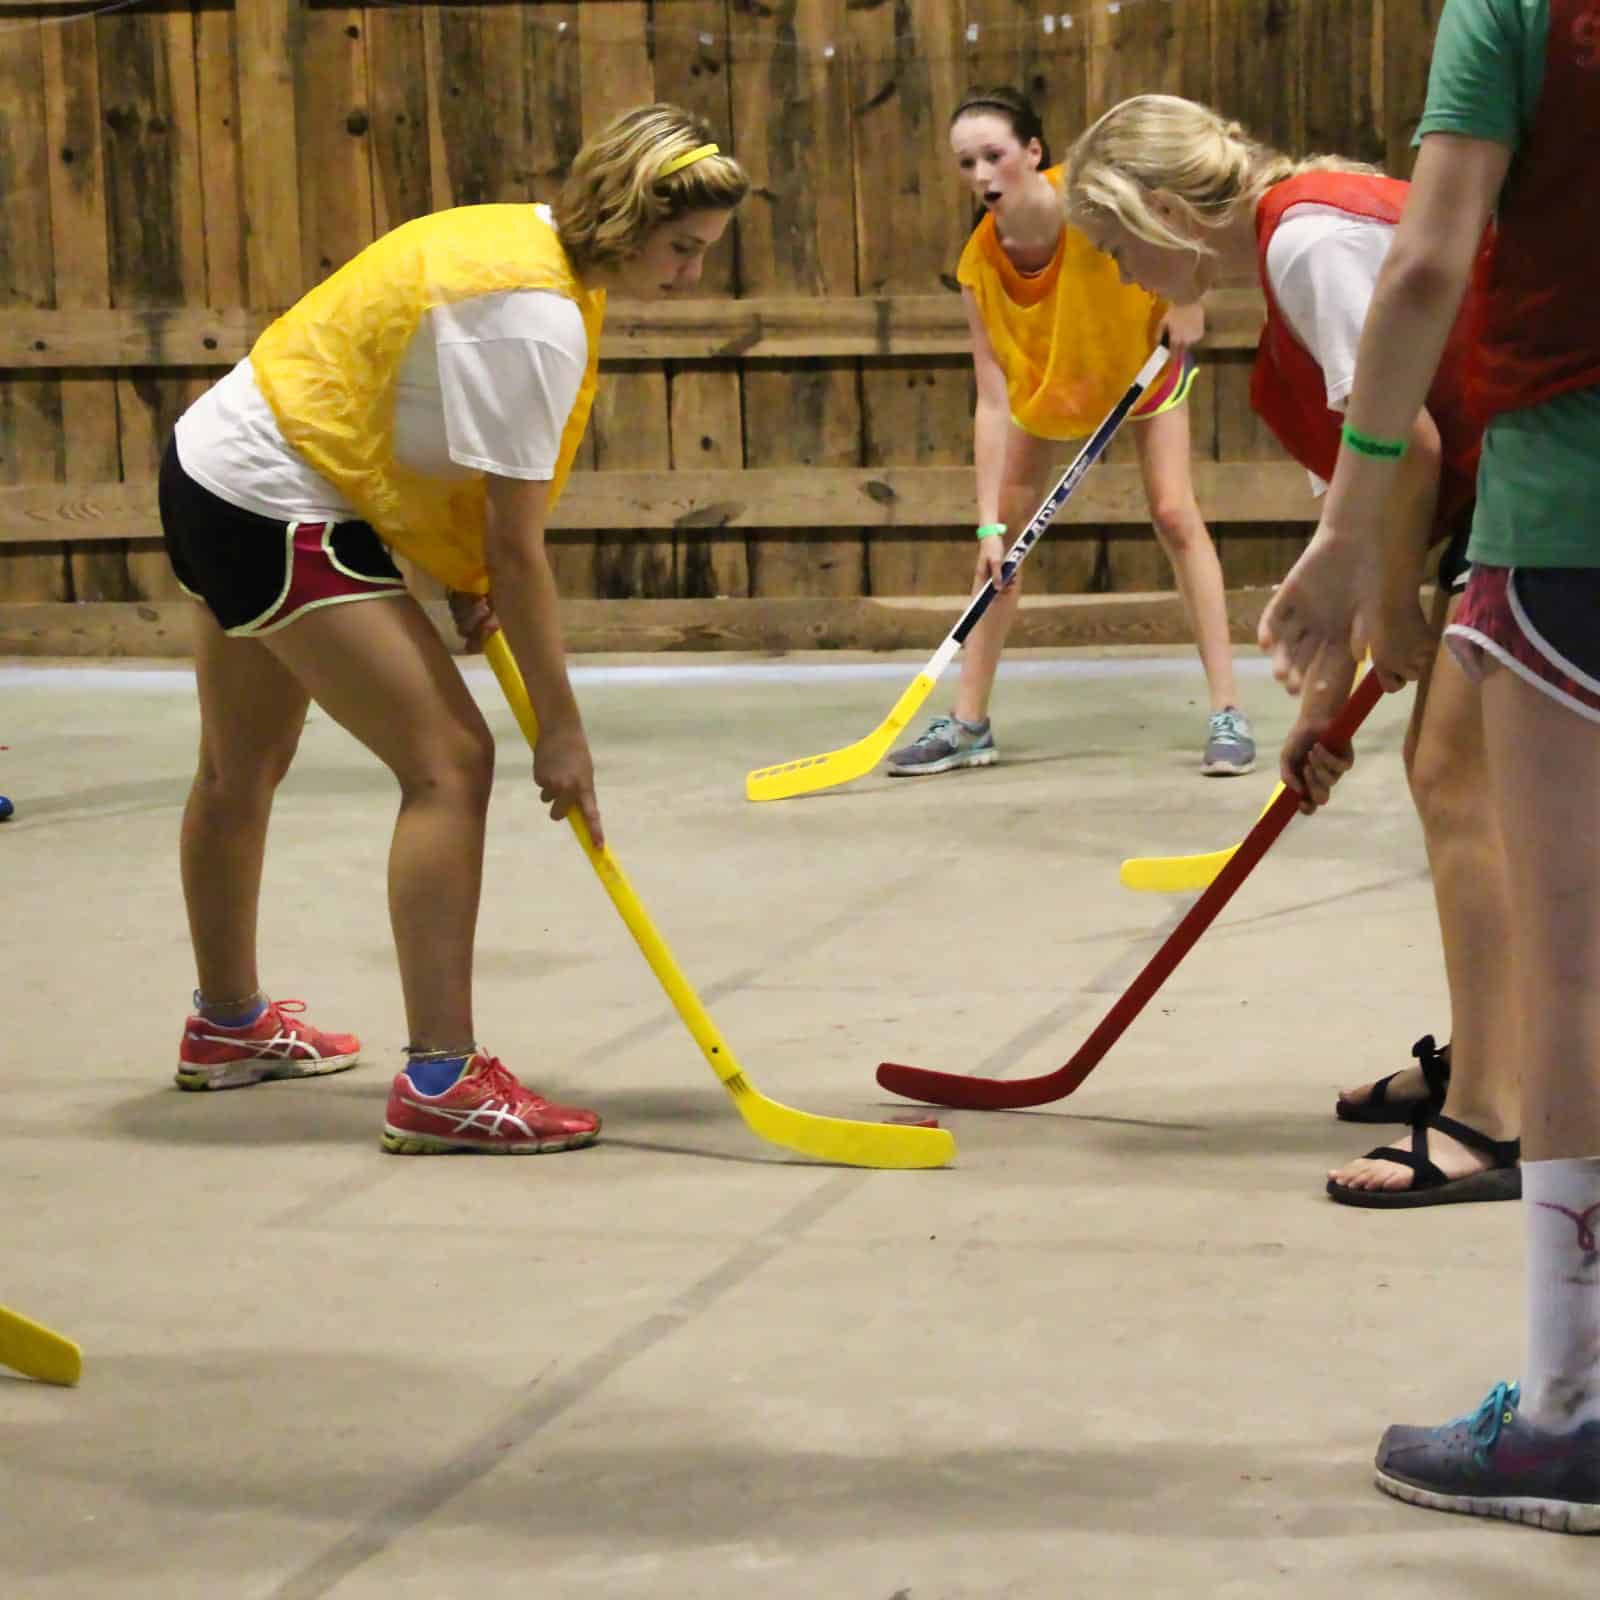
(486, 1109)
(276, 1045)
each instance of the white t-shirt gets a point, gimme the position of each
(1322, 266)
(486, 385)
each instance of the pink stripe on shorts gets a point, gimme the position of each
(1494, 627)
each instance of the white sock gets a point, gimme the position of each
(1561, 1207)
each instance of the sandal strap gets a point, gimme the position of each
(1434, 1060)
(1378, 1094)
(1502, 1152)
(1424, 1174)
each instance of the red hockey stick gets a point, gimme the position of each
(995, 1094)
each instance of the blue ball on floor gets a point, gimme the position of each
(6, 808)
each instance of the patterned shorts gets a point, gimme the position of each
(1540, 622)
(1170, 389)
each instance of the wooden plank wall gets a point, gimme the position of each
(208, 161)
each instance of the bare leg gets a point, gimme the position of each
(379, 669)
(1445, 762)
(1544, 774)
(1163, 446)
(251, 713)
(1028, 477)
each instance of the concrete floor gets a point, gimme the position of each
(1125, 1348)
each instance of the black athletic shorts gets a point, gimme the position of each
(257, 574)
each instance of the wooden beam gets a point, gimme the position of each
(754, 498)
(762, 626)
(268, 40)
(175, 337)
(689, 330)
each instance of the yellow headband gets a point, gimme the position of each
(678, 163)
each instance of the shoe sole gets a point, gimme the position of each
(1226, 769)
(1390, 1112)
(397, 1143)
(245, 1074)
(1554, 1516)
(981, 758)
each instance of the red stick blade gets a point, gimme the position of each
(950, 1088)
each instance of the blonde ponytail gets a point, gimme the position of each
(1207, 167)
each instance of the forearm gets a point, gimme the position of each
(1405, 331)
(526, 601)
(1413, 309)
(1414, 306)
(990, 425)
(1409, 510)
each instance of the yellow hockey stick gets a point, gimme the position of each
(35, 1351)
(811, 774)
(1180, 874)
(1187, 874)
(852, 1144)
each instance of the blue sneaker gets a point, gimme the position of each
(1230, 749)
(948, 743)
(1490, 1463)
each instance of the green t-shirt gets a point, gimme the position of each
(1543, 463)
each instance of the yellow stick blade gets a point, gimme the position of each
(835, 1139)
(881, 1145)
(35, 1351)
(1180, 874)
(812, 774)
(1173, 874)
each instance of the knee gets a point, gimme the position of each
(246, 774)
(1178, 524)
(1447, 793)
(459, 768)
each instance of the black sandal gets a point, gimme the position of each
(1435, 1064)
(1429, 1186)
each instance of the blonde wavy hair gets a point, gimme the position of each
(616, 194)
(1205, 165)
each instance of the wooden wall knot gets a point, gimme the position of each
(747, 338)
(716, 514)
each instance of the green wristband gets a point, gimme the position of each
(1364, 444)
(991, 530)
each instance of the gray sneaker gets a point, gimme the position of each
(1230, 750)
(948, 743)
(1491, 1463)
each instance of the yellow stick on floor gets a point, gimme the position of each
(1181, 874)
(854, 1144)
(36, 1351)
(1188, 874)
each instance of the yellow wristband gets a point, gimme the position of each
(991, 530)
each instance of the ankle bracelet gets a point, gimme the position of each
(203, 1003)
